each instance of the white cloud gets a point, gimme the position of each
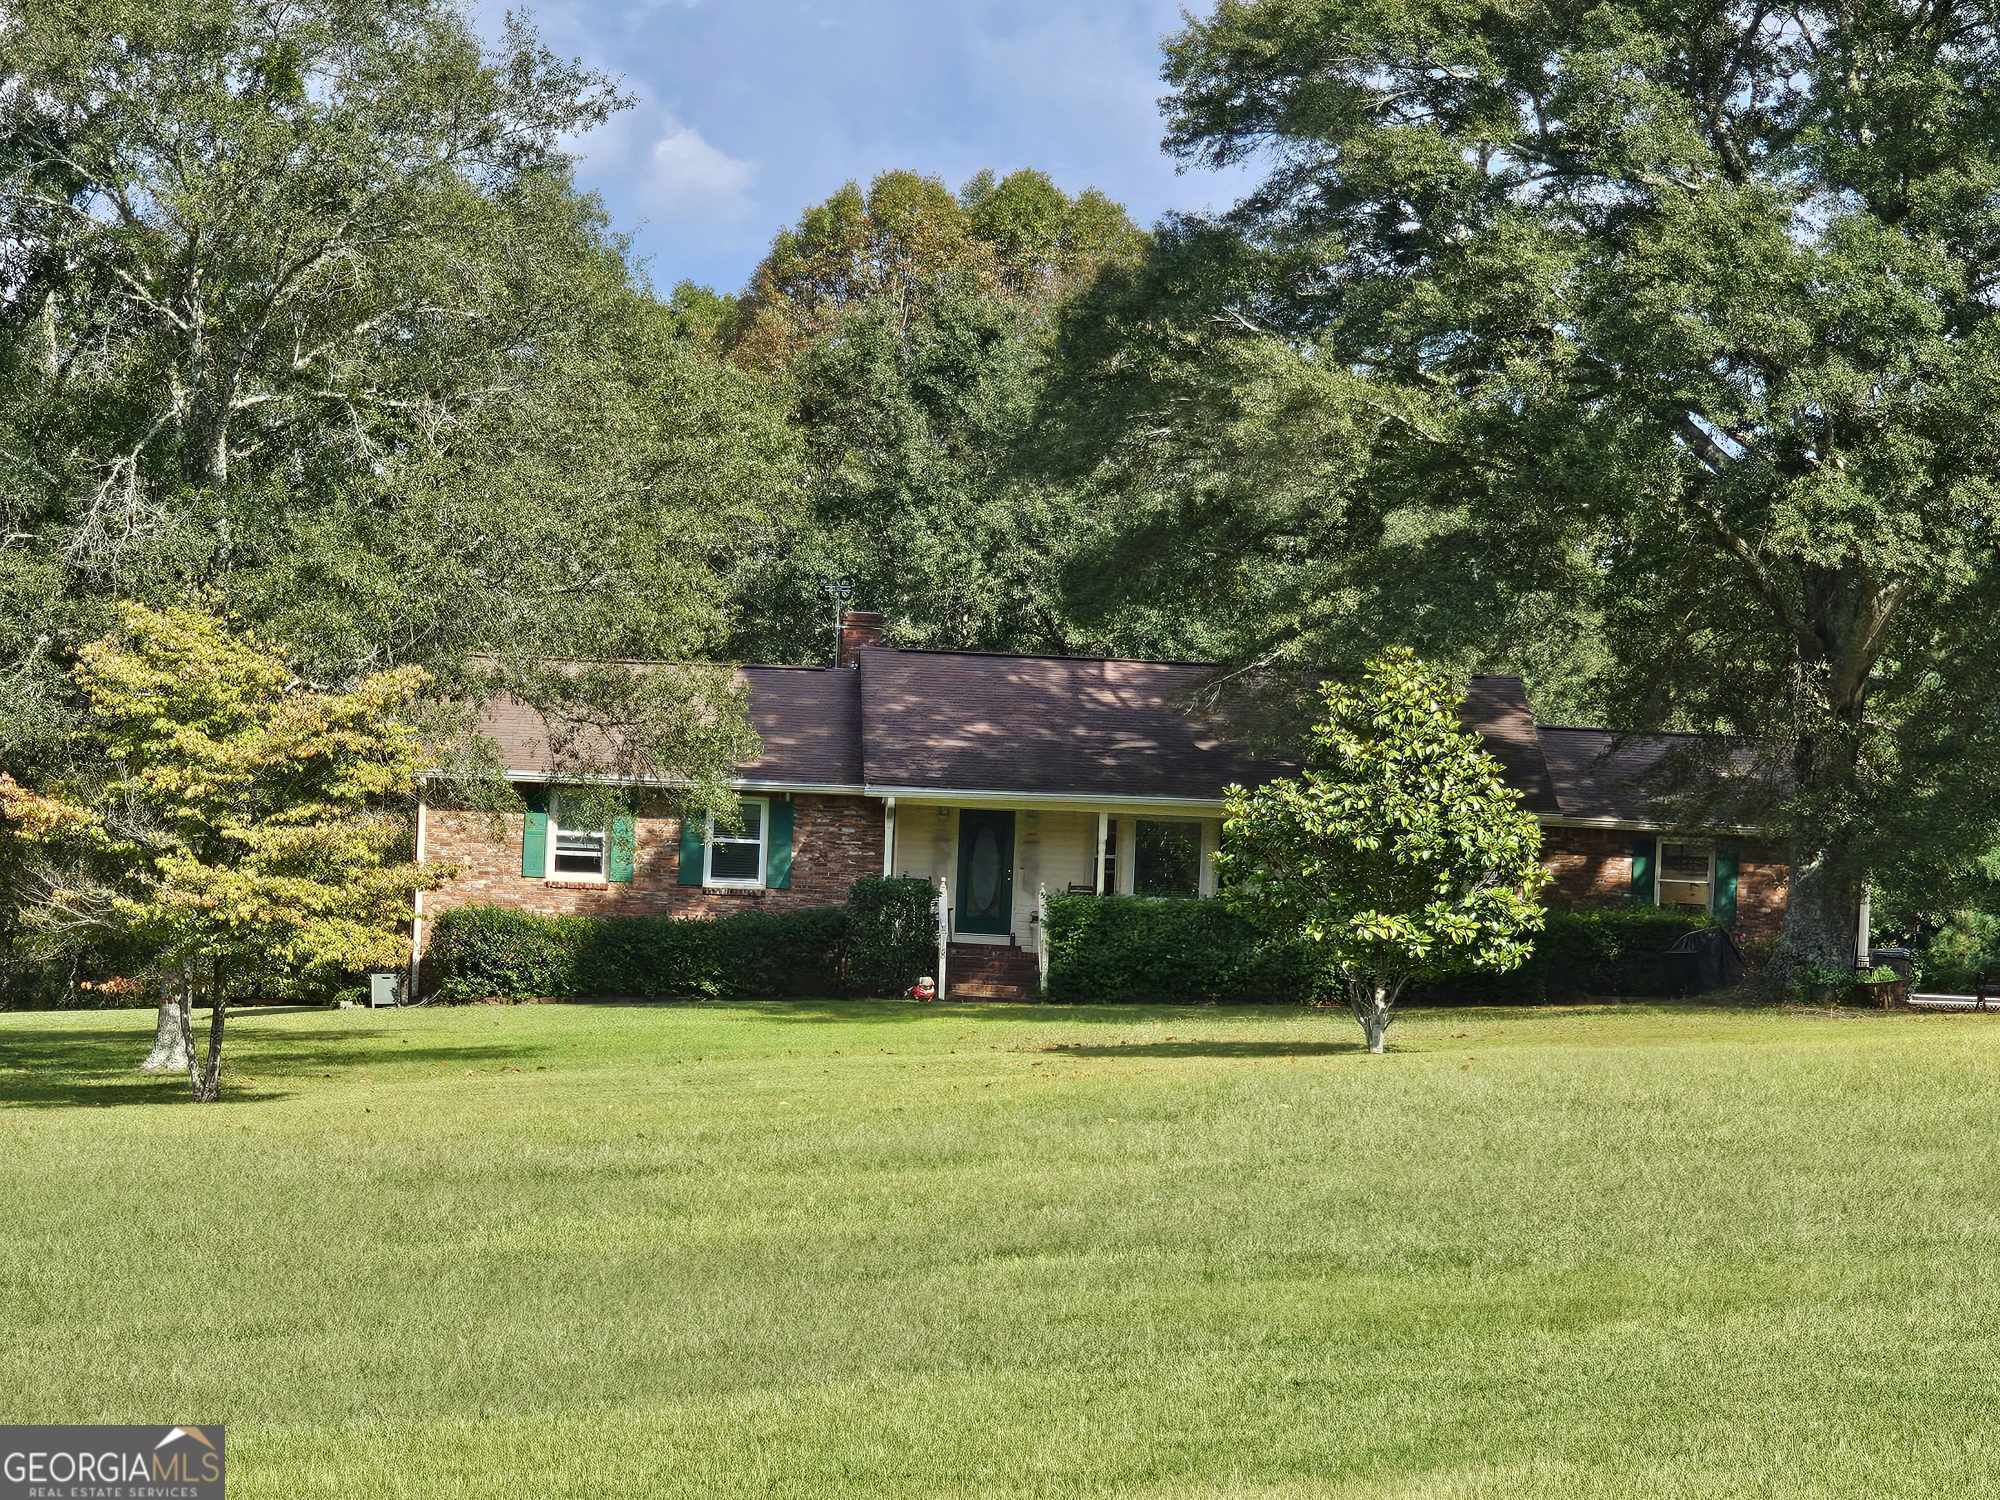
(688, 174)
(649, 163)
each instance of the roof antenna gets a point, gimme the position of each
(841, 589)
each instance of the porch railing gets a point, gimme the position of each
(1042, 938)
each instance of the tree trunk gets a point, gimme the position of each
(1374, 1005)
(169, 1054)
(205, 1077)
(184, 1024)
(1823, 904)
(1822, 915)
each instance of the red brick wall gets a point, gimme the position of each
(1594, 866)
(1590, 865)
(835, 841)
(1763, 881)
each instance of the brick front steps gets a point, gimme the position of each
(988, 971)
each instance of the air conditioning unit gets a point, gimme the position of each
(384, 989)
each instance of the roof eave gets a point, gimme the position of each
(740, 783)
(1653, 825)
(1000, 797)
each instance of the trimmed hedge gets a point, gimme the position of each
(488, 952)
(1123, 948)
(892, 934)
(1608, 950)
(1127, 948)
(1102, 949)
(1586, 950)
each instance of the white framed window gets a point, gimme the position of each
(737, 858)
(575, 853)
(1684, 875)
(1166, 858)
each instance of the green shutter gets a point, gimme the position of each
(624, 846)
(1642, 871)
(535, 833)
(778, 846)
(692, 840)
(1727, 855)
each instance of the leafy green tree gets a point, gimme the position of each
(911, 329)
(1047, 245)
(231, 822)
(1399, 853)
(1689, 310)
(703, 316)
(901, 244)
(1238, 511)
(303, 308)
(301, 311)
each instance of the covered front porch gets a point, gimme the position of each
(995, 854)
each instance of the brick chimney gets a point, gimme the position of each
(859, 628)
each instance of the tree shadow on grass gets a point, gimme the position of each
(1586, 1007)
(855, 1012)
(1014, 1012)
(65, 1067)
(1527, 1014)
(1219, 1047)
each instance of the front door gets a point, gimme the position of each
(985, 872)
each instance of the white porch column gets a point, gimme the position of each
(944, 934)
(1863, 938)
(1103, 833)
(888, 837)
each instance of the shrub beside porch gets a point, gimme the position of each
(878, 943)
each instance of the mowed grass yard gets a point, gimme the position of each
(876, 1249)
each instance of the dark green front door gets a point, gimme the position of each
(985, 872)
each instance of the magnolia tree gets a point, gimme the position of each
(232, 823)
(1398, 854)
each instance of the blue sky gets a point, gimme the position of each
(749, 110)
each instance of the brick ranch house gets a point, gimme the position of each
(1002, 775)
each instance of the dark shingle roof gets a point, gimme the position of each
(1631, 778)
(808, 718)
(967, 721)
(1091, 727)
(1497, 708)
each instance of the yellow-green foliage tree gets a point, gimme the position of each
(233, 823)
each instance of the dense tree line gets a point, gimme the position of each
(911, 333)
(302, 317)
(1648, 353)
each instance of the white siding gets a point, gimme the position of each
(1056, 849)
(923, 840)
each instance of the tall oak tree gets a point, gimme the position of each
(1690, 308)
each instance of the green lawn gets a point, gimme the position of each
(878, 1249)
